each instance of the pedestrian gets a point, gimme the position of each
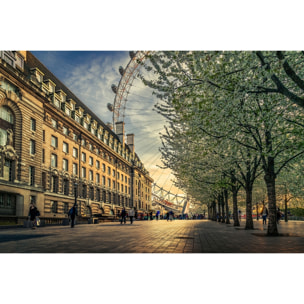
(72, 215)
(131, 215)
(167, 215)
(171, 214)
(123, 216)
(157, 215)
(32, 215)
(264, 214)
(151, 216)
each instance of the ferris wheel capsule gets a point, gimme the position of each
(110, 107)
(114, 88)
(121, 70)
(132, 54)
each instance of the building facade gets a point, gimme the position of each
(54, 150)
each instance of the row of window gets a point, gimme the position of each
(65, 149)
(83, 141)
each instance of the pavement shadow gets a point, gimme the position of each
(11, 238)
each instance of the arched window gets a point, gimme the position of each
(6, 126)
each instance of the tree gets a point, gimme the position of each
(220, 94)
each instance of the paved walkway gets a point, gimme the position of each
(179, 236)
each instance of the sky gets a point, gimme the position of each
(89, 75)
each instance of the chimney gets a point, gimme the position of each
(120, 131)
(130, 142)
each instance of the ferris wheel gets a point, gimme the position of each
(160, 196)
(121, 91)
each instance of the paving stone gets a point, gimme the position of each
(179, 236)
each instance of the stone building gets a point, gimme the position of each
(54, 150)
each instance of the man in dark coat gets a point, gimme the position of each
(123, 215)
(73, 213)
(32, 215)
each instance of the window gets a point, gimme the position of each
(64, 130)
(75, 152)
(54, 123)
(113, 173)
(68, 111)
(83, 172)
(83, 156)
(54, 141)
(65, 165)
(65, 147)
(65, 208)
(118, 175)
(54, 183)
(6, 126)
(90, 175)
(32, 147)
(75, 137)
(84, 191)
(43, 135)
(33, 124)
(103, 168)
(54, 160)
(92, 193)
(103, 181)
(66, 186)
(54, 206)
(109, 170)
(83, 142)
(75, 169)
(57, 103)
(97, 164)
(43, 156)
(113, 184)
(91, 160)
(109, 183)
(98, 195)
(97, 178)
(32, 175)
(7, 115)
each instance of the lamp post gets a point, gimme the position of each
(75, 194)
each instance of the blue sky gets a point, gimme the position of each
(89, 75)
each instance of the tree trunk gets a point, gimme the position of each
(214, 211)
(223, 208)
(234, 190)
(271, 194)
(249, 221)
(286, 216)
(227, 207)
(219, 208)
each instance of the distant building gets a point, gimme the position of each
(52, 144)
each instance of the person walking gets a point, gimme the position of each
(167, 215)
(32, 215)
(131, 215)
(123, 216)
(72, 214)
(171, 214)
(157, 215)
(264, 214)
